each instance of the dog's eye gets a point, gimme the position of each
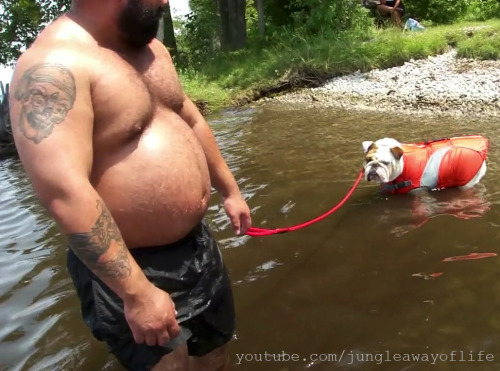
(385, 163)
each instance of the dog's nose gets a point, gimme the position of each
(372, 175)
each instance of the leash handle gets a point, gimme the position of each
(260, 232)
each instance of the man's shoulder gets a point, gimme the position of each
(160, 49)
(61, 42)
(57, 47)
(55, 57)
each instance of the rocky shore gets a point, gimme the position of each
(443, 85)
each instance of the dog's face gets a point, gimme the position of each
(383, 160)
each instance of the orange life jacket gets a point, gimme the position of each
(438, 164)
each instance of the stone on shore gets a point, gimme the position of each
(441, 84)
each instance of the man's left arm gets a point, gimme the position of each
(221, 177)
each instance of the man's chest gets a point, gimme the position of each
(129, 91)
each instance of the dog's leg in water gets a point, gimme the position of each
(420, 191)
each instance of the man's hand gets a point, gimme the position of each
(239, 213)
(151, 316)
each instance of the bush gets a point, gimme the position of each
(481, 10)
(325, 16)
(438, 11)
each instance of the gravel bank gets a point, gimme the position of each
(441, 84)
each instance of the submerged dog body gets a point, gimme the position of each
(439, 164)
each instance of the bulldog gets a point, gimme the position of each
(438, 164)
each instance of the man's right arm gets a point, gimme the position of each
(52, 121)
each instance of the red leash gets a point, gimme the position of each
(267, 232)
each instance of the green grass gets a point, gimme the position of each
(483, 44)
(201, 89)
(233, 76)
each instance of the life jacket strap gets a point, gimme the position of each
(393, 187)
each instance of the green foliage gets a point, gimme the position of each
(199, 37)
(252, 19)
(280, 12)
(285, 21)
(481, 10)
(22, 20)
(326, 15)
(449, 11)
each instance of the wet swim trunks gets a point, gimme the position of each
(192, 272)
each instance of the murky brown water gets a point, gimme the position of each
(357, 284)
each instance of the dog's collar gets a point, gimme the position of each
(392, 187)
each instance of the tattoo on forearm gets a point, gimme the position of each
(47, 93)
(91, 246)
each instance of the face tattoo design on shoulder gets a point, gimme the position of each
(47, 93)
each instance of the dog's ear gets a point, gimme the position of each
(397, 152)
(366, 145)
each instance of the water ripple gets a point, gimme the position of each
(291, 166)
(25, 285)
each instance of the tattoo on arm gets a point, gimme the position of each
(47, 92)
(89, 247)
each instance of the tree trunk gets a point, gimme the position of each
(233, 24)
(216, 45)
(166, 32)
(169, 33)
(5, 125)
(160, 35)
(260, 11)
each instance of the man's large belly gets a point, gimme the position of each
(156, 187)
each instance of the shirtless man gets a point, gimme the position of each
(394, 8)
(124, 162)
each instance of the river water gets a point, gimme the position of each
(365, 288)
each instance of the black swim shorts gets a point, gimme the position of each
(192, 272)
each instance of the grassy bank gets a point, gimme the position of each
(298, 61)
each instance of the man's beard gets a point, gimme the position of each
(139, 24)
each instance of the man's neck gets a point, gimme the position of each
(100, 21)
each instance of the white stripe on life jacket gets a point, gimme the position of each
(430, 175)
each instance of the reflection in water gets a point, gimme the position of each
(460, 203)
(366, 280)
(471, 256)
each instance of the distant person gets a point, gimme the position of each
(125, 162)
(394, 8)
